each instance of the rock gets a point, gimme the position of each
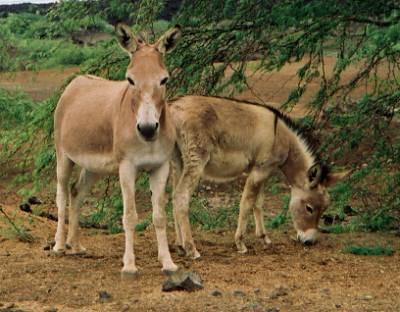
(279, 292)
(338, 305)
(350, 211)
(216, 293)
(275, 309)
(104, 296)
(257, 290)
(25, 207)
(125, 308)
(328, 219)
(49, 245)
(239, 293)
(182, 280)
(34, 200)
(366, 297)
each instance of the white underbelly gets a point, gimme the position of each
(98, 163)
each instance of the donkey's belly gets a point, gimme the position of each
(99, 163)
(224, 166)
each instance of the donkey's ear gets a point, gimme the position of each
(314, 175)
(126, 38)
(169, 40)
(332, 178)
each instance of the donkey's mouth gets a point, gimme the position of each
(308, 237)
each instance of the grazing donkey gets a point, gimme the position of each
(109, 127)
(219, 139)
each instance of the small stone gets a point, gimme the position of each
(257, 290)
(338, 305)
(49, 245)
(9, 306)
(239, 293)
(104, 296)
(208, 188)
(182, 280)
(279, 292)
(125, 308)
(216, 293)
(275, 309)
(25, 207)
(350, 211)
(34, 200)
(366, 297)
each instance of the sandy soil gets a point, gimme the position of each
(286, 277)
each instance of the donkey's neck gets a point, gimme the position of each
(299, 160)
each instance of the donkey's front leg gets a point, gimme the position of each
(252, 188)
(127, 174)
(158, 180)
(258, 212)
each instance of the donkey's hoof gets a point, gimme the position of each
(242, 249)
(267, 242)
(59, 252)
(129, 274)
(193, 254)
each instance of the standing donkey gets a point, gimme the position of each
(219, 139)
(109, 127)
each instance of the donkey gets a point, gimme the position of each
(109, 127)
(219, 139)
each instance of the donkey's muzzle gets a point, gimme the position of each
(148, 131)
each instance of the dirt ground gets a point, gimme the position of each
(286, 277)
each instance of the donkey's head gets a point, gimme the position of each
(147, 77)
(308, 202)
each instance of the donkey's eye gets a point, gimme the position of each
(130, 80)
(163, 81)
(309, 209)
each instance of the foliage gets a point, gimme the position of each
(210, 218)
(220, 38)
(370, 251)
(16, 230)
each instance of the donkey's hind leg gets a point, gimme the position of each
(258, 212)
(64, 170)
(188, 182)
(176, 172)
(77, 194)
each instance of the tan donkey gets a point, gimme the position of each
(117, 127)
(220, 139)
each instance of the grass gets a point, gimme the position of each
(370, 251)
(210, 218)
(16, 230)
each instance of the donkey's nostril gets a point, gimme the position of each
(308, 242)
(147, 130)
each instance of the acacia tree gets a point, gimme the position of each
(219, 35)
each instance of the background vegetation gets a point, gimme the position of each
(236, 37)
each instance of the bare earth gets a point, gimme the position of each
(286, 277)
